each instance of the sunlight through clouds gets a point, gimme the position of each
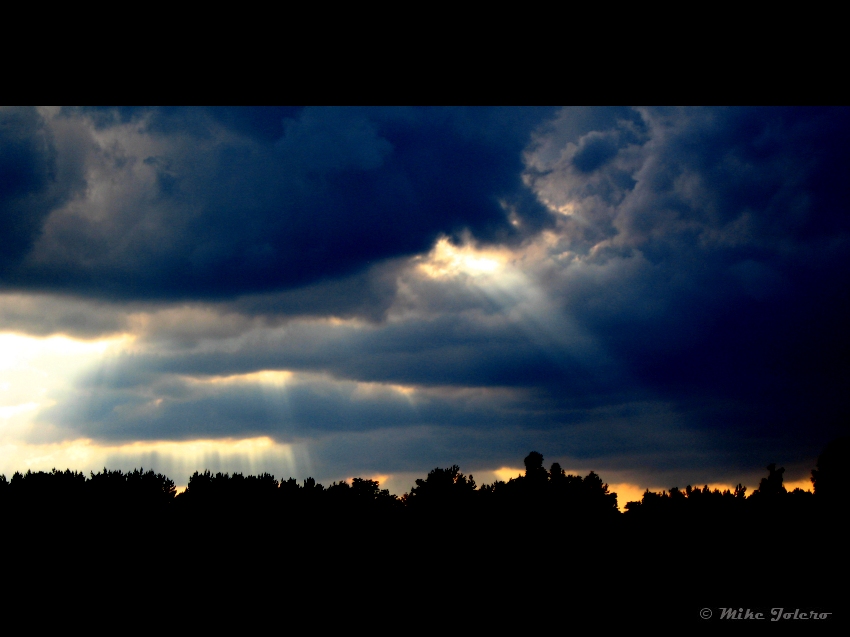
(33, 370)
(176, 459)
(398, 288)
(279, 381)
(510, 281)
(275, 378)
(506, 473)
(447, 260)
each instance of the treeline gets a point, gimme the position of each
(830, 481)
(770, 496)
(544, 542)
(552, 493)
(443, 489)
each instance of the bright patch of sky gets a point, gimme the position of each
(33, 370)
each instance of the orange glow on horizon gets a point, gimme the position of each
(506, 473)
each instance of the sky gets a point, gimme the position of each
(660, 295)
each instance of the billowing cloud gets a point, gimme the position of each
(186, 204)
(33, 180)
(713, 255)
(655, 292)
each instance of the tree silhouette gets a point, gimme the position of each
(442, 488)
(534, 471)
(597, 498)
(771, 486)
(831, 479)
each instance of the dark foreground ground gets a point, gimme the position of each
(446, 571)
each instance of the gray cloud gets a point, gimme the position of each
(185, 205)
(44, 315)
(34, 180)
(681, 306)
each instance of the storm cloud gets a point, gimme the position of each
(655, 291)
(185, 204)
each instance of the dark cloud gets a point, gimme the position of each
(447, 351)
(192, 203)
(720, 270)
(30, 185)
(681, 303)
(44, 315)
(299, 407)
(595, 150)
